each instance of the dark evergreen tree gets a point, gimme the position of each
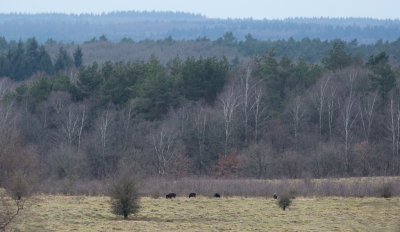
(45, 63)
(32, 56)
(41, 89)
(338, 58)
(382, 76)
(63, 60)
(268, 69)
(114, 87)
(103, 38)
(61, 82)
(154, 95)
(78, 61)
(204, 78)
(3, 43)
(18, 62)
(227, 40)
(89, 80)
(4, 66)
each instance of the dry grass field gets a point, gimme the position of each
(83, 213)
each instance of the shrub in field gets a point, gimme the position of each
(18, 187)
(7, 211)
(385, 191)
(124, 194)
(10, 207)
(284, 202)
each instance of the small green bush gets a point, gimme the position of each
(124, 194)
(284, 202)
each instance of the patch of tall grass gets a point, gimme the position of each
(340, 187)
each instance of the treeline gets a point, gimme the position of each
(185, 26)
(103, 18)
(25, 59)
(267, 118)
(101, 50)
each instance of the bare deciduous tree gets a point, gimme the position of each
(332, 103)
(7, 112)
(70, 126)
(252, 105)
(296, 112)
(15, 154)
(162, 140)
(82, 123)
(59, 100)
(349, 115)
(394, 129)
(318, 97)
(246, 87)
(201, 119)
(257, 160)
(259, 110)
(128, 116)
(367, 109)
(71, 122)
(104, 121)
(230, 100)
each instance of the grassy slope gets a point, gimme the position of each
(71, 213)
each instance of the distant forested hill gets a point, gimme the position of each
(138, 26)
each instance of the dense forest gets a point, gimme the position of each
(220, 108)
(174, 95)
(138, 26)
(101, 49)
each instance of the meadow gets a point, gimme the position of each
(92, 213)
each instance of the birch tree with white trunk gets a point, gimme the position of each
(349, 114)
(319, 97)
(230, 99)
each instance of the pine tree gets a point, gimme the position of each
(78, 57)
(63, 60)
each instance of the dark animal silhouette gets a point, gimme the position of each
(217, 195)
(192, 195)
(275, 196)
(170, 195)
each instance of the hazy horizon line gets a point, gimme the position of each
(192, 13)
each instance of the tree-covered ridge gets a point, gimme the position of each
(184, 26)
(266, 117)
(101, 50)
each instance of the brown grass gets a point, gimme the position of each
(157, 187)
(72, 213)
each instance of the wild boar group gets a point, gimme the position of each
(173, 195)
(216, 195)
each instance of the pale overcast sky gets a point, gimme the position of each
(257, 9)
